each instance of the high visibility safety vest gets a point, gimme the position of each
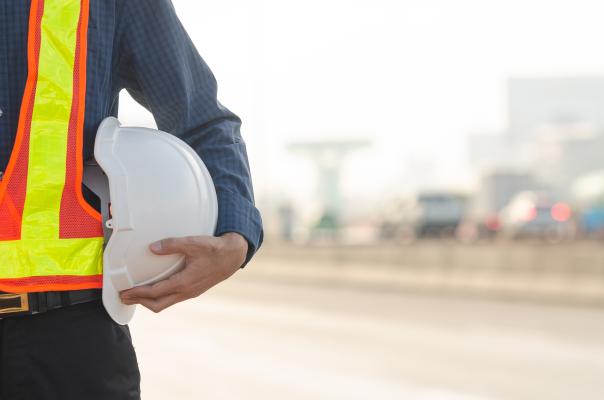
(50, 237)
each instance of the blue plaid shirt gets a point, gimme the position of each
(141, 46)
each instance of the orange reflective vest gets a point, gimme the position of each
(50, 238)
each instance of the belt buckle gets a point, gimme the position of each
(24, 303)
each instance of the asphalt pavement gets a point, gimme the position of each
(267, 339)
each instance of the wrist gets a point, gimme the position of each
(236, 243)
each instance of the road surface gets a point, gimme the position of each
(256, 339)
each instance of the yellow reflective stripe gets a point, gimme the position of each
(43, 257)
(40, 252)
(50, 124)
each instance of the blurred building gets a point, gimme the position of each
(564, 154)
(535, 102)
(555, 130)
(497, 188)
(490, 152)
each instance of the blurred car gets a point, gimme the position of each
(538, 215)
(494, 192)
(588, 201)
(592, 221)
(428, 214)
(476, 226)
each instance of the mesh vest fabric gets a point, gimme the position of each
(50, 238)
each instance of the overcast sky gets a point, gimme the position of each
(413, 76)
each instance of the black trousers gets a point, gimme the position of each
(75, 352)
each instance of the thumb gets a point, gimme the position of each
(168, 246)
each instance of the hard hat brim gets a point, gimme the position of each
(119, 312)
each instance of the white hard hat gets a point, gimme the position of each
(152, 186)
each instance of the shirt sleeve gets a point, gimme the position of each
(161, 68)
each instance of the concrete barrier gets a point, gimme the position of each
(568, 273)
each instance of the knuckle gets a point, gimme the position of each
(182, 297)
(200, 245)
(193, 294)
(222, 273)
(214, 246)
(204, 243)
(190, 240)
(180, 285)
(227, 273)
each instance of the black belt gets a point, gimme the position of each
(14, 304)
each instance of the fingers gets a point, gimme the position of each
(167, 299)
(169, 246)
(173, 284)
(188, 245)
(157, 305)
(205, 267)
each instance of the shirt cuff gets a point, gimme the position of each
(238, 214)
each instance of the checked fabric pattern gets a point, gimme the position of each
(141, 46)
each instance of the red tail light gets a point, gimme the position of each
(492, 223)
(561, 212)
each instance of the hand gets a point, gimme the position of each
(208, 261)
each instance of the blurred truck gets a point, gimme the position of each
(427, 214)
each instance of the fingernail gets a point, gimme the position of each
(156, 246)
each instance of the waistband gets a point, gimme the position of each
(18, 304)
